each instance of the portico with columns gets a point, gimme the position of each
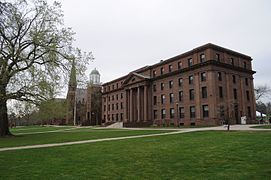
(136, 89)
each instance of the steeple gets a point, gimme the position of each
(72, 81)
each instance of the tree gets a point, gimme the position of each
(35, 53)
(262, 91)
(53, 109)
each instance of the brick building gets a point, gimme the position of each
(200, 87)
(84, 103)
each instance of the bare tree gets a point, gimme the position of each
(35, 53)
(262, 91)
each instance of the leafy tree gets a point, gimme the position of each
(35, 53)
(53, 109)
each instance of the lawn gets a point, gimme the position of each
(35, 129)
(197, 155)
(263, 126)
(68, 135)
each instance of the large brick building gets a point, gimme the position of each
(200, 87)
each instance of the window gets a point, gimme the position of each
(112, 117)
(113, 86)
(235, 93)
(192, 112)
(245, 65)
(121, 95)
(163, 113)
(232, 61)
(190, 62)
(108, 88)
(121, 105)
(162, 71)
(220, 91)
(191, 94)
(104, 107)
(117, 117)
(180, 82)
(205, 111)
(154, 73)
(117, 96)
(121, 116)
(155, 114)
(170, 68)
(219, 76)
(117, 85)
(112, 97)
(117, 106)
(113, 107)
(171, 97)
(203, 76)
(162, 86)
(180, 95)
(171, 111)
(204, 92)
(163, 99)
(108, 117)
(246, 81)
(104, 99)
(202, 58)
(248, 97)
(108, 107)
(217, 57)
(154, 100)
(181, 111)
(170, 84)
(248, 111)
(191, 79)
(180, 65)
(233, 79)
(154, 88)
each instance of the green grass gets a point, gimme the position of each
(262, 127)
(35, 129)
(69, 135)
(198, 155)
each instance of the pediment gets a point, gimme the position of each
(133, 78)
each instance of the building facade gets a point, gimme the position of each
(205, 86)
(84, 103)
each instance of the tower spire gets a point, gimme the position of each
(73, 81)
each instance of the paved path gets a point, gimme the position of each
(178, 131)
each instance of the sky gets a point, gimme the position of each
(128, 34)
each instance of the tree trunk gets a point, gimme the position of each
(4, 127)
